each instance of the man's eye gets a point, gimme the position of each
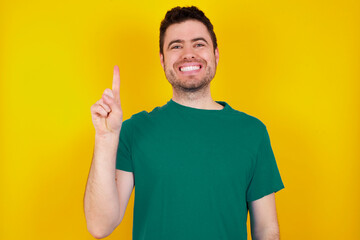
(175, 47)
(199, 45)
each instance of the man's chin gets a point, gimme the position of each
(194, 87)
(189, 83)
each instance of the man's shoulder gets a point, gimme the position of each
(144, 115)
(247, 119)
(147, 114)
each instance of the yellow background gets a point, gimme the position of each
(292, 64)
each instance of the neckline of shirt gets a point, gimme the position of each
(200, 110)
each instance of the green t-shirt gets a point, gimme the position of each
(195, 170)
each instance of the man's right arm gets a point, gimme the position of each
(107, 190)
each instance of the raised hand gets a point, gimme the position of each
(106, 113)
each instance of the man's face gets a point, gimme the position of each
(189, 59)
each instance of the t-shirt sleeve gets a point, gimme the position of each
(123, 156)
(266, 177)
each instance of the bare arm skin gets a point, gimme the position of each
(107, 190)
(263, 219)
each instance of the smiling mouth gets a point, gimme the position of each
(189, 68)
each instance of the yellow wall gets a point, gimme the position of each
(294, 65)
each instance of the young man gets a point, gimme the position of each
(198, 164)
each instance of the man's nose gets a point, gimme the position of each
(188, 52)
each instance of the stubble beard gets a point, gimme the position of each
(184, 86)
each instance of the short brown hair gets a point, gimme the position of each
(181, 14)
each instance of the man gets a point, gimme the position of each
(198, 164)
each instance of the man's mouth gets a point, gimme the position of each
(189, 68)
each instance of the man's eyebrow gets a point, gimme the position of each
(198, 39)
(182, 41)
(175, 41)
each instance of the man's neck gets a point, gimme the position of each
(200, 100)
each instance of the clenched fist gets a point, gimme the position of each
(106, 113)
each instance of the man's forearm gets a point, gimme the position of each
(101, 200)
(266, 234)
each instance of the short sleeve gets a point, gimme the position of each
(123, 156)
(266, 177)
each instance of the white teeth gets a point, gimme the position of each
(189, 68)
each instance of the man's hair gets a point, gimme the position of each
(182, 14)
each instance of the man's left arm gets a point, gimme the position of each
(263, 218)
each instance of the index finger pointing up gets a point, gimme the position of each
(116, 84)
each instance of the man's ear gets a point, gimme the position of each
(217, 56)
(162, 60)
